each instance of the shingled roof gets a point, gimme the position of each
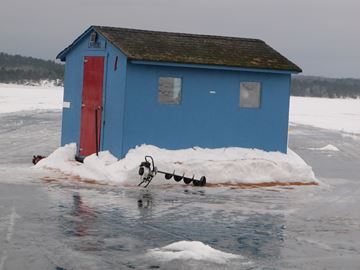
(196, 49)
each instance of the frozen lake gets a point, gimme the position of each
(50, 221)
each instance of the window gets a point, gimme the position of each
(250, 94)
(169, 90)
(93, 43)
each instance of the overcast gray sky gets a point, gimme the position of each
(322, 36)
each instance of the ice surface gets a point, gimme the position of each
(222, 165)
(14, 98)
(191, 250)
(335, 114)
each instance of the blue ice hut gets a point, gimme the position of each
(127, 87)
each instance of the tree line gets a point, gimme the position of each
(310, 86)
(21, 70)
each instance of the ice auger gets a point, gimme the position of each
(147, 171)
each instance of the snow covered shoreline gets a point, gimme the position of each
(220, 166)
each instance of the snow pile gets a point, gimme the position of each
(328, 147)
(222, 165)
(191, 250)
(14, 98)
(94, 167)
(335, 114)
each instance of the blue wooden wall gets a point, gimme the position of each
(132, 115)
(204, 119)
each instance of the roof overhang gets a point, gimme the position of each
(218, 67)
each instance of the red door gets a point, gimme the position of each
(91, 108)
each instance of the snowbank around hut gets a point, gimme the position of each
(231, 165)
(191, 250)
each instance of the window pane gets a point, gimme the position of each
(169, 90)
(250, 94)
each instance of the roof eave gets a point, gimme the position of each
(296, 70)
(209, 66)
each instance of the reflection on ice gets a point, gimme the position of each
(133, 221)
(85, 214)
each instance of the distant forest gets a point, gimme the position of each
(28, 70)
(310, 86)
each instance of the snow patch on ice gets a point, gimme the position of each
(328, 147)
(231, 165)
(191, 250)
